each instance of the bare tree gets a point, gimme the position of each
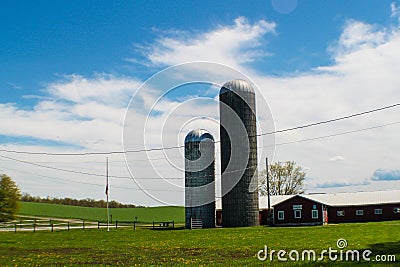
(285, 178)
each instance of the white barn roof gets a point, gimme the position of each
(357, 198)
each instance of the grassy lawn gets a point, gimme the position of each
(100, 214)
(224, 247)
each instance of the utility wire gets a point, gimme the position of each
(118, 177)
(170, 178)
(333, 135)
(332, 120)
(79, 172)
(86, 183)
(140, 189)
(279, 144)
(60, 169)
(182, 146)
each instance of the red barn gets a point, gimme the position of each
(338, 208)
(316, 209)
(298, 210)
(361, 206)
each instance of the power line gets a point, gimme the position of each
(333, 135)
(102, 175)
(86, 183)
(140, 189)
(279, 144)
(170, 178)
(218, 141)
(49, 177)
(85, 173)
(88, 162)
(80, 172)
(60, 169)
(333, 120)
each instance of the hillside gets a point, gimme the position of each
(100, 214)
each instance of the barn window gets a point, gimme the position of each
(359, 212)
(281, 215)
(340, 213)
(314, 214)
(297, 214)
(396, 210)
(377, 211)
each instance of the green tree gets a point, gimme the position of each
(9, 197)
(285, 178)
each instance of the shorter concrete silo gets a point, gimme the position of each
(199, 179)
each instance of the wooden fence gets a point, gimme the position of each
(59, 224)
(146, 225)
(45, 224)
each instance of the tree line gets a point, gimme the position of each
(87, 202)
(10, 197)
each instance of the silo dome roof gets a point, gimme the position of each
(238, 85)
(198, 135)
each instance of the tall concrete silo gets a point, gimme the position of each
(199, 179)
(238, 129)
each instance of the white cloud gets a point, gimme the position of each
(359, 35)
(104, 89)
(75, 114)
(337, 158)
(395, 10)
(364, 75)
(231, 45)
(77, 110)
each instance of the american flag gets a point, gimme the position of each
(107, 177)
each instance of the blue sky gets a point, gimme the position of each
(69, 68)
(43, 39)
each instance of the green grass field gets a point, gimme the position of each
(98, 214)
(145, 247)
(220, 247)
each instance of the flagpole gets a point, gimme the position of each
(108, 213)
